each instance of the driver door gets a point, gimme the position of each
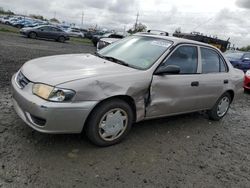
(177, 93)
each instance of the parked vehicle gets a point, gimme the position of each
(140, 77)
(96, 38)
(75, 33)
(240, 60)
(103, 42)
(48, 32)
(247, 81)
(90, 34)
(24, 23)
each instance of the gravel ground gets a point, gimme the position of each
(182, 151)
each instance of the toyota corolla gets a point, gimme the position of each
(141, 77)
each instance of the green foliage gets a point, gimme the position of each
(8, 12)
(245, 49)
(54, 20)
(138, 28)
(40, 17)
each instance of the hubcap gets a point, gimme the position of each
(113, 124)
(223, 106)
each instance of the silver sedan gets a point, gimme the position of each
(141, 77)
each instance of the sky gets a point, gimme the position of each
(222, 18)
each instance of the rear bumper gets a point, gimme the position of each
(49, 117)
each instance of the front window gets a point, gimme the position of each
(137, 51)
(185, 57)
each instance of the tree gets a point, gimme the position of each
(138, 28)
(54, 20)
(245, 49)
(40, 17)
(2, 11)
(177, 30)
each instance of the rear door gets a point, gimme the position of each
(44, 32)
(179, 93)
(214, 79)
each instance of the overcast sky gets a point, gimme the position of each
(224, 18)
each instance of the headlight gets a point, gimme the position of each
(248, 73)
(52, 93)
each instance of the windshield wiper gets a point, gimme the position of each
(115, 60)
(99, 55)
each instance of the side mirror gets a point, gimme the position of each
(246, 59)
(169, 69)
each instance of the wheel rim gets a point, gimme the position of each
(113, 124)
(61, 39)
(223, 106)
(32, 35)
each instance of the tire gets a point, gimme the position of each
(61, 39)
(216, 114)
(32, 35)
(247, 91)
(103, 116)
(19, 26)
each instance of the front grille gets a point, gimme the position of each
(21, 80)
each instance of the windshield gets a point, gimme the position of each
(234, 56)
(137, 51)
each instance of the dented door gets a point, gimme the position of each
(174, 94)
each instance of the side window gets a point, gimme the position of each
(186, 57)
(211, 61)
(247, 56)
(54, 29)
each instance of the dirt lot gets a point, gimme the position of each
(182, 151)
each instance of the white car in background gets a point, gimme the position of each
(103, 42)
(75, 33)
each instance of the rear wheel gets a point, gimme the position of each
(32, 35)
(221, 107)
(109, 123)
(61, 39)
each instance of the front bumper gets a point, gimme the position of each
(247, 82)
(49, 117)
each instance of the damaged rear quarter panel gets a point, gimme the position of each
(134, 84)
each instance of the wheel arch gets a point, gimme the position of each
(231, 93)
(126, 98)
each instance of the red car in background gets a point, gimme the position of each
(247, 81)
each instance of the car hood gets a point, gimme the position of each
(54, 70)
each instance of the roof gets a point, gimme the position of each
(175, 40)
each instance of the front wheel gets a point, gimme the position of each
(61, 39)
(221, 107)
(32, 35)
(109, 123)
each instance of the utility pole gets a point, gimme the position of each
(124, 30)
(82, 20)
(55, 14)
(137, 18)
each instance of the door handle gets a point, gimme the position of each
(225, 81)
(195, 84)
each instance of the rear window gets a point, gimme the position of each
(212, 61)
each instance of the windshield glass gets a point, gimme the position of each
(137, 51)
(234, 56)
